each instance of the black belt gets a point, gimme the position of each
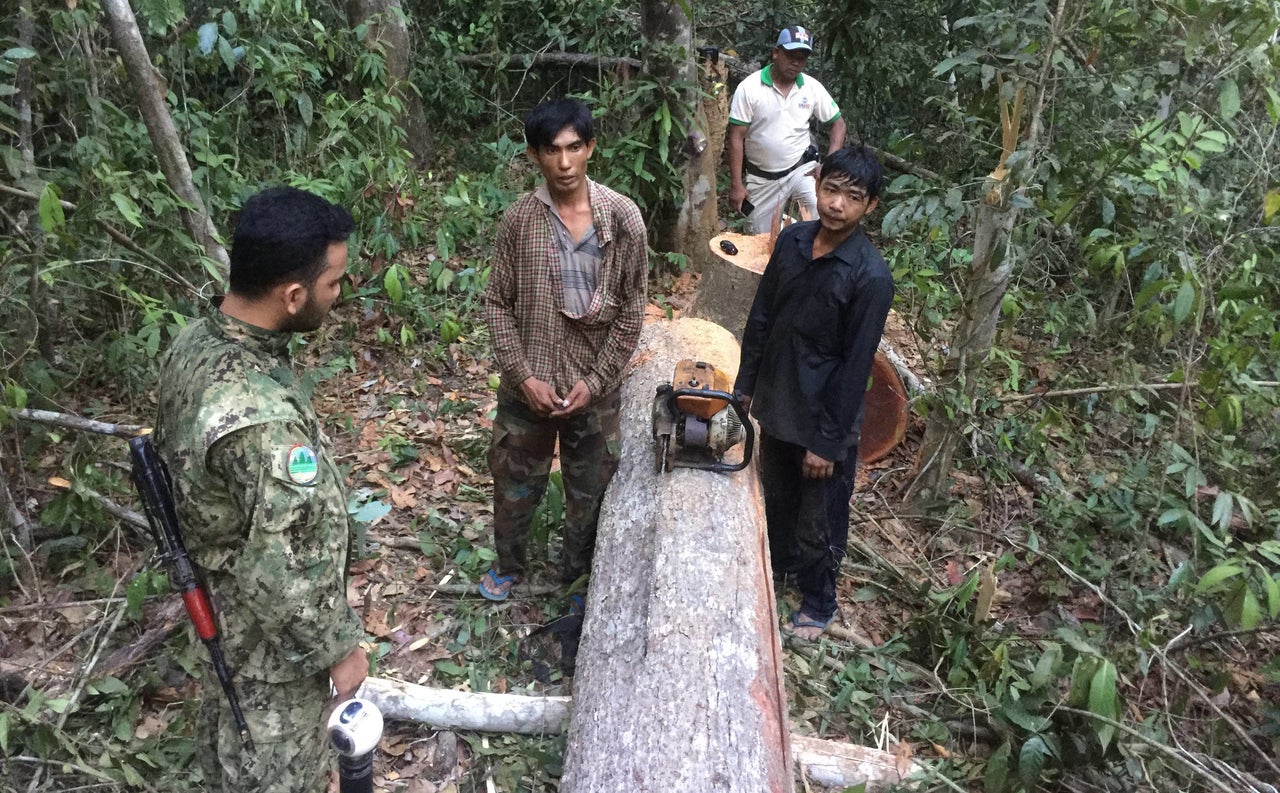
(810, 155)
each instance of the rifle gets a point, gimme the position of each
(151, 478)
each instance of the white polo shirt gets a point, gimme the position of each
(777, 125)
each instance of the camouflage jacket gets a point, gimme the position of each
(260, 500)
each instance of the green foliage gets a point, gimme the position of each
(639, 120)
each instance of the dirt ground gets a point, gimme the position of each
(413, 430)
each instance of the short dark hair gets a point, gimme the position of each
(858, 165)
(283, 235)
(546, 120)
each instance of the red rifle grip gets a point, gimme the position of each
(201, 613)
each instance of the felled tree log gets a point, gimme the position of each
(463, 710)
(828, 763)
(679, 680)
(842, 765)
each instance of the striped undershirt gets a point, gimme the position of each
(579, 261)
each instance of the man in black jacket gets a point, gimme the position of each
(806, 357)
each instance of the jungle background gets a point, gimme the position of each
(1067, 579)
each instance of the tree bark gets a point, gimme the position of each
(44, 310)
(698, 217)
(164, 137)
(667, 33)
(525, 60)
(986, 283)
(387, 30)
(828, 763)
(680, 641)
(74, 422)
(14, 520)
(462, 710)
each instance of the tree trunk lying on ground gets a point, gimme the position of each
(679, 678)
(827, 763)
(463, 710)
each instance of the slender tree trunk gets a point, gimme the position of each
(14, 521)
(160, 128)
(698, 217)
(985, 286)
(668, 59)
(42, 308)
(387, 30)
(984, 290)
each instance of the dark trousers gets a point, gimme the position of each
(520, 460)
(808, 521)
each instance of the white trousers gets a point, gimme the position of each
(767, 196)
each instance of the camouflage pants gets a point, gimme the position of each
(520, 459)
(290, 754)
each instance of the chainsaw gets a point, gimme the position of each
(696, 420)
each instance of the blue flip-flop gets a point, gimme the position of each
(496, 594)
(804, 622)
(577, 606)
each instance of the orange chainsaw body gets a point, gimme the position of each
(691, 374)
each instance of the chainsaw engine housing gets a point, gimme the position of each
(696, 420)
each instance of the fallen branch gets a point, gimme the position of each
(110, 507)
(462, 710)
(74, 422)
(917, 385)
(12, 516)
(904, 166)
(843, 764)
(82, 680)
(526, 590)
(1180, 645)
(1102, 389)
(511, 60)
(1223, 715)
(401, 543)
(167, 619)
(1179, 757)
(46, 606)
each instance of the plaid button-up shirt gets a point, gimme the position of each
(532, 335)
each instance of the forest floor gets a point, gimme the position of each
(413, 432)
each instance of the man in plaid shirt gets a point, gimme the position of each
(564, 307)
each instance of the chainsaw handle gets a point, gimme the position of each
(734, 403)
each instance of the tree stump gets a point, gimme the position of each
(725, 294)
(679, 680)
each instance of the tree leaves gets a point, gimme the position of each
(997, 776)
(1031, 761)
(1228, 99)
(52, 218)
(1104, 702)
(1184, 302)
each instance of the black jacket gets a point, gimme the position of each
(811, 337)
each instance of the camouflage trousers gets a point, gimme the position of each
(290, 754)
(520, 459)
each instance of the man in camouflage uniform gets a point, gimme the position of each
(564, 306)
(260, 498)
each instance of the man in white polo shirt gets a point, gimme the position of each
(769, 133)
